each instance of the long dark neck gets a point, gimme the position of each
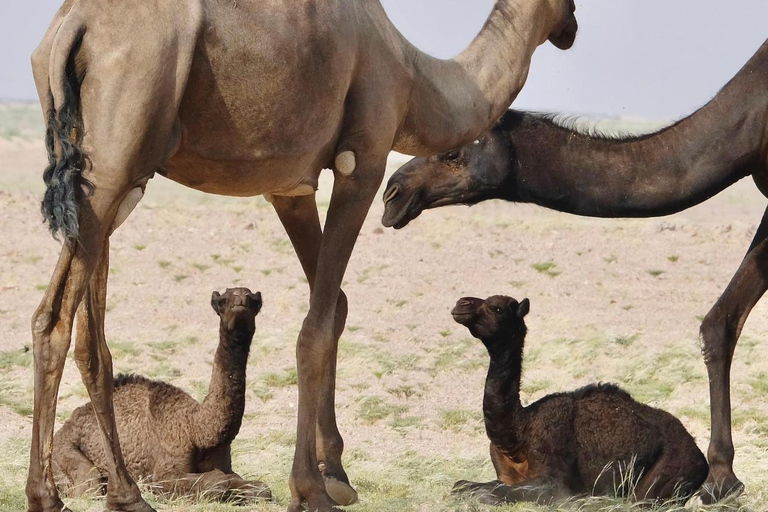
(653, 175)
(501, 402)
(219, 417)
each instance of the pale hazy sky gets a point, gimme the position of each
(643, 58)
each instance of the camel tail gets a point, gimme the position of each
(63, 178)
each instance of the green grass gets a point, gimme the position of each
(456, 419)
(373, 409)
(546, 267)
(20, 358)
(18, 399)
(288, 377)
(625, 340)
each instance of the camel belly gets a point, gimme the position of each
(288, 177)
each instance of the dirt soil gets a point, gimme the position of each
(611, 300)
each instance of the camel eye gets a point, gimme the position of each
(496, 309)
(452, 155)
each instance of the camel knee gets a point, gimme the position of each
(42, 322)
(49, 345)
(340, 319)
(717, 336)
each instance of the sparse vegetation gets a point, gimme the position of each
(547, 267)
(415, 430)
(289, 377)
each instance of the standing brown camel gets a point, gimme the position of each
(533, 159)
(244, 98)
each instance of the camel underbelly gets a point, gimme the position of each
(295, 176)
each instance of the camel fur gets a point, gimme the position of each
(169, 440)
(595, 440)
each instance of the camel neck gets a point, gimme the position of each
(501, 402)
(220, 415)
(455, 101)
(658, 174)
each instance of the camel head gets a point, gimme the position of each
(565, 35)
(494, 320)
(467, 175)
(237, 308)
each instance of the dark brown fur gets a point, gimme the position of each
(595, 440)
(168, 438)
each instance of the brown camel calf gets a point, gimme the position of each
(168, 438)
(595, 440)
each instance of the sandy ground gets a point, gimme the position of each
(623, 303)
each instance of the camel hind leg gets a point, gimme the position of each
(126, 99)
(74, 473)
(676, 475)
(542, 490)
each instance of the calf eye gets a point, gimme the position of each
(452, 155)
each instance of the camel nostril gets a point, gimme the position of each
(391, 192)
(465, 302)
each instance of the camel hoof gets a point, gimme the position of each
(321, 504)
(343, 494)
(139, 506)
(54, 505)
(714, 492)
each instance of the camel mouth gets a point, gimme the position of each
(464, 311)
(399, 212)
(463, 318)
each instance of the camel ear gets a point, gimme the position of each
(523, 308)
(254, 302)
(215, 302)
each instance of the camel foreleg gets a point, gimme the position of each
(720, 331)
(299, 217)
(316, 346)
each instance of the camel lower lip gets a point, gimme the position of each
(461, 317)
(402, 217)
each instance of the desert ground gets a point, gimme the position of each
(611, 300)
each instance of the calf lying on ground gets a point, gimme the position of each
(168, 438)
(595, 440)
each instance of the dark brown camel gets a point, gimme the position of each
(531, 158)
(595, 440)
(168, 438)
(244, 98)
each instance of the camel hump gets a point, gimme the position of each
(127, 379)
(601, 388)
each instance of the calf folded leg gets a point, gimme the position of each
(216, 485)
(542, 490)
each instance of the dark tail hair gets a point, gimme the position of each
(63, 176)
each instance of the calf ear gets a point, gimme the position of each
(215, 302)
(523, 308)
(255, 301)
